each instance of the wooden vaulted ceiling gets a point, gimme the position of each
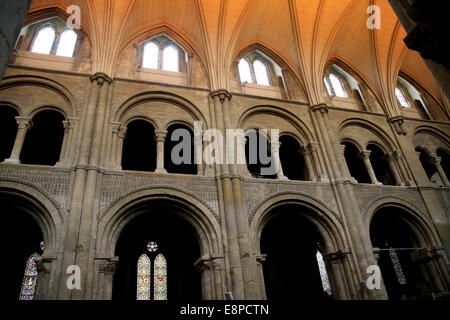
(305, 34)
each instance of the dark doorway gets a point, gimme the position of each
(44, 140)
(20, 244)
(139, 147)
(388, 229)
(291, 270)
(176, 240)
(258, 155)
(292, 160)
(8, 131)
(355, 164)
(187, 166)
(380, 166)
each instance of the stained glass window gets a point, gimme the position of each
(152, 246)
(29, 279)
(262, 76)
(44, 40)
(150, 55)
(338, 87)
(67, 43)
(327, 84)
(143, 278)
(244, 71)
(401, 98)
(170, 60)
(397, 267)
(323, 272)
(160, 278)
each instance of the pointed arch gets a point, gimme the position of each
(143, 278)
(160, 278)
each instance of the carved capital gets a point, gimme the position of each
(365, 154)
(68, 125)
(322, 108)
(313, 146)
(260, 258)
(436, 161)
(398, 123)
(222, 95)
(115, 127)
(336, 257)
(100, 79)
(109, 265)
(24, 123)
(160, 135)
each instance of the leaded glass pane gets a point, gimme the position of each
(244, 71)
(401, 98)
(262, 76)
(338, 87)
(29, 279)
(397, 267)
(170, 60)
(160, 278)
(143, 278)
(323, 272)
(44, 40)
(67, 43)
(150, 55)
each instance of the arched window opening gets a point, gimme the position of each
(170, 272)
(293, 277)
(261, 73)
(355, 164)
(323, 272)
(29, 279)
(292, 160)
(150, 56)
(67, 43)
(160, 278)
(401, 98)
(430, 169)
(403, 276)
(179, 152)
(338, 86)
(139, 147)
(422, 110)
(260, 162)
(380, 165)
(244, 71)
(8, 131)
(45, 38)
(43, 142)
(143, 280)
(445, 161)
(171, 59)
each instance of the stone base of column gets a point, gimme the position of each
(12, 161)
(284, 178)
(378, 183)
(62, 164)
(160, 170)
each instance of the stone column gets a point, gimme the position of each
(399, 159)
(260, 259)
(115, 126)
(121, 135)
(436, 162)
(308, 163)
(69, 126)
(241, 155)
(365, 155)
(105, 276)
(198, 145)
(23, 124)
(44, 268)
(12, 18)
(275, 148)
(336, 261)
(391, 162)
(313, 147)
(344, 165)
(204, 266)
(160, 137)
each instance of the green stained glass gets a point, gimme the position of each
(160, 278)
(143, 278)
(29, 279)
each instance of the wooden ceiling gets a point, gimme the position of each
(305, 34)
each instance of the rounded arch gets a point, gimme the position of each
(418, 222)
(389, 145)
(325, 220)
(179, 123)
(431, 140)
(68, 109)
(48, 108)
(168, 97)
(272, 53)
(148, 119)
(194, 211)
(40, 207)
(15, 105)
(303, 132)
(353, 142)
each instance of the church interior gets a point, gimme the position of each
(345, 102)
